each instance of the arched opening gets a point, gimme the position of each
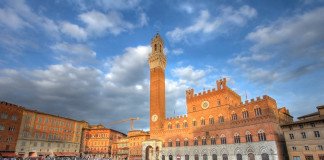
(186, 157)
(214, 157)
(170, 157)
(196, 157)
(163, 157)
(238, 156)
(251, 156)
(157, 153)
(149, 153)
(205, 157)
(265, 156)
(225, 157)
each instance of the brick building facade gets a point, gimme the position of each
(10, 122)
(218, 125)
(97, 141)
(305, 137)
(32, 133)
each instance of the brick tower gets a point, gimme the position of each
(157, 62)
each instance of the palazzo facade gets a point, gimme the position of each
(218, 124)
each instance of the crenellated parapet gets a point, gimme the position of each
(177, 117)
(258, 99)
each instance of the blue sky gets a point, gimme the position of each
(88, 59)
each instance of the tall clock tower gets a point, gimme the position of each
(157, 62)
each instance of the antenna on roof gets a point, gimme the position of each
(245, 95)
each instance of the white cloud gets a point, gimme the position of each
(188, 8)
(73, 53)
(177, 51)
(206, 24)
(74, 31)
(88, 93)
(189, 74)
(9, 18)
(118, 5)
(239, 59)
(98, 23)
(285, 49)
(129, 68)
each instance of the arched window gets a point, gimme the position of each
(213, 141)
(234, 116)
(211, 120)
(203, 141)
(257, 111)
(264, 156)
(177, 143)
(170, 157)
(223, 139)
(225, 157)
(248, 137)
(155, 47)
(202, 121)
(196, 157)
(163, 157)
(261, 135)
(221, 119)
(2, 128)
(195, 141)
(205, 157)
(186, 157)
(170, 143)
(239, 156)
(214, 157)
(245, 113)
(194, 123)
(237, 138)
(177, 125)
(169, 125)
(186, 142)
(218, 103)
(160, 48)
(251, 156)
(185, 124)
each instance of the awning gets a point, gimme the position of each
(58, 154)
(69, 154)
(44, 153)
(8, 154)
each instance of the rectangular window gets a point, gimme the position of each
(178, 143)
(213, 141)
(296, 158)
(301, 126)
(2, 127)
(14, 118)
(309, 157)
(303, 135)
(186, 143)
(223, 140)
(195, 142)
(194, 123)
(317, 134)
(203, 142)
(4, 115)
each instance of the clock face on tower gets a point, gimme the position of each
(204, 104)
(154, 118)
